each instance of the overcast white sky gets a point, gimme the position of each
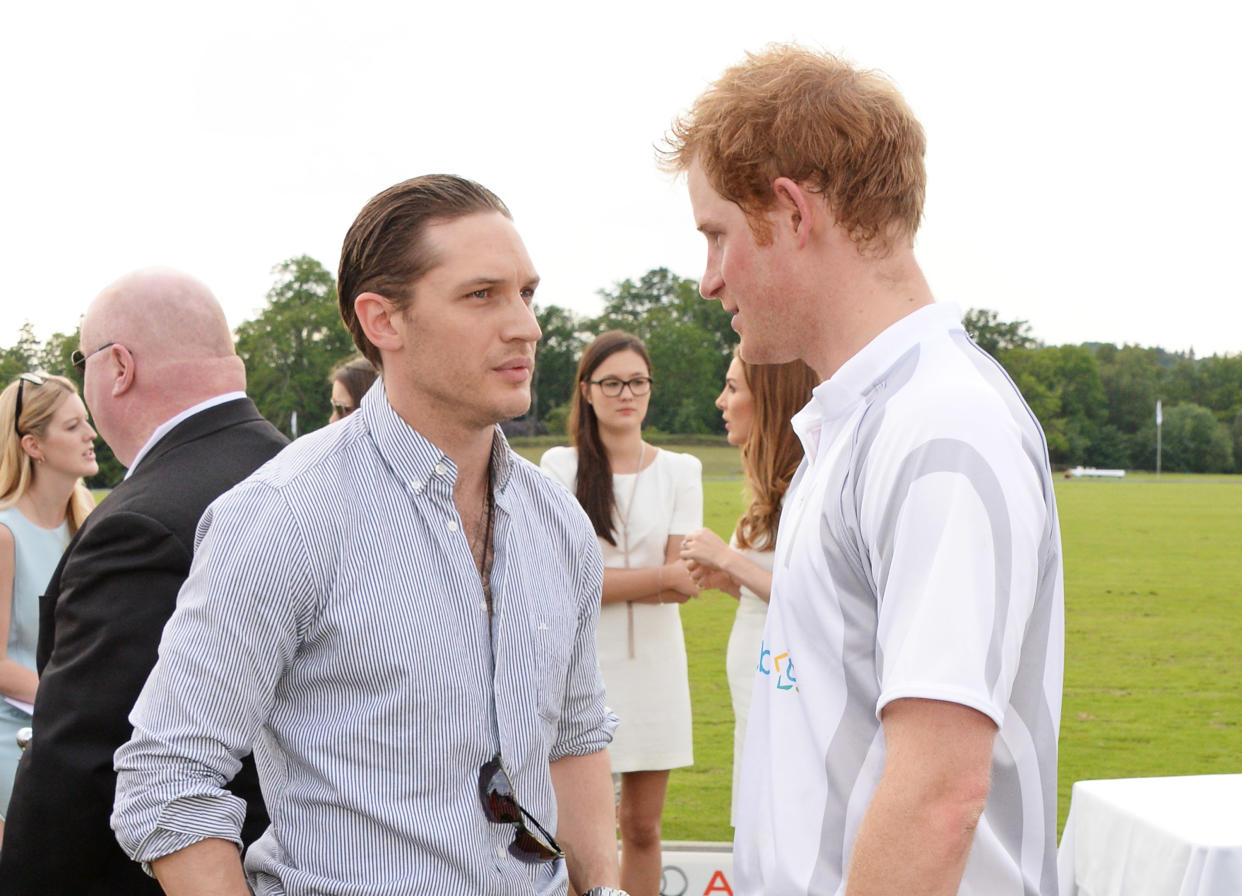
(1084, 157)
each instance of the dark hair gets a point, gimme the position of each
(385, 250)
(772, 451)
(356, 375)
(594, 485)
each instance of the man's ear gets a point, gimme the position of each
(375, 316)
(123, 372)
(795, 209)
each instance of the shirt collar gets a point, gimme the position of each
(840, 393)
(415, 460)
(169, 425)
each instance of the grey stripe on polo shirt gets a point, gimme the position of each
(1028, 698)
(858, 577)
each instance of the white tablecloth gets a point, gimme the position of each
(1153, 837)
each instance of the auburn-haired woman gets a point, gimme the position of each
(642, 501)
(757, 404)
(46, 447)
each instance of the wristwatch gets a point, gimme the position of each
(605, 891)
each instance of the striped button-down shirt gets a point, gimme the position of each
(334, 619)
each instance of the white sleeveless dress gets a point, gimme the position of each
(642, 651)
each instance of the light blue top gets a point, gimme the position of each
(37, 552)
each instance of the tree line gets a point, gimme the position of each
(1096, 401)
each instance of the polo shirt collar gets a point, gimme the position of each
(840, 394)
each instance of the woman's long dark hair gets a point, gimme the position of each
(594, 484)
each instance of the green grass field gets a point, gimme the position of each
(1153, 668)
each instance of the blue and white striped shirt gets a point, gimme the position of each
(334, 619)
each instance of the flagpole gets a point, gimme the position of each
(1159, 427)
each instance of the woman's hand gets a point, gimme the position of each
(707, 578)
(678, 584)
(705, 548)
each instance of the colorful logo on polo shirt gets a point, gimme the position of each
(780, 664)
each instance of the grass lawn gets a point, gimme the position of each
(1153, 668)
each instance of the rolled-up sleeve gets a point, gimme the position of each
(240, 616)
(586, 724)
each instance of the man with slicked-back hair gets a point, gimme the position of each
(167, 393)
(903, 727)
(398, 612)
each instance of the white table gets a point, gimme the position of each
(1149, 836)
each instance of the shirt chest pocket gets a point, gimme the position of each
(553, 636)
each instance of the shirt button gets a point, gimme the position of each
(500, 852)
(441, 469)
(483, 605)
(452, 525)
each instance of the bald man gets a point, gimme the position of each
(166, 391)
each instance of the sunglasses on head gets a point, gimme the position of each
(501, 807)
(35, 379)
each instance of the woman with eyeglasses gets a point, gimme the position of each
(46, 448)
(350, 381)
(642, 500)
(757, 404)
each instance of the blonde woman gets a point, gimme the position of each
(757, 403)
(46, 447)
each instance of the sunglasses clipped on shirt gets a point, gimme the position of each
(35, 379)
(501, 807)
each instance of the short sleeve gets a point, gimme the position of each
(561, 465)
(954, 541)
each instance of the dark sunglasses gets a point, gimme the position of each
(501, 807)
(34, 379)
(79, 360)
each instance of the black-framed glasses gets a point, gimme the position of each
(501, 807)
(79, 359)
(35, 379)
(613, 386)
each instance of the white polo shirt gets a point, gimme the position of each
(918, 555)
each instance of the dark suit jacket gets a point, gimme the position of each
(99, 626)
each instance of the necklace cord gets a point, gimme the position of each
(625, 538)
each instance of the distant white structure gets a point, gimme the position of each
(1093, 471)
